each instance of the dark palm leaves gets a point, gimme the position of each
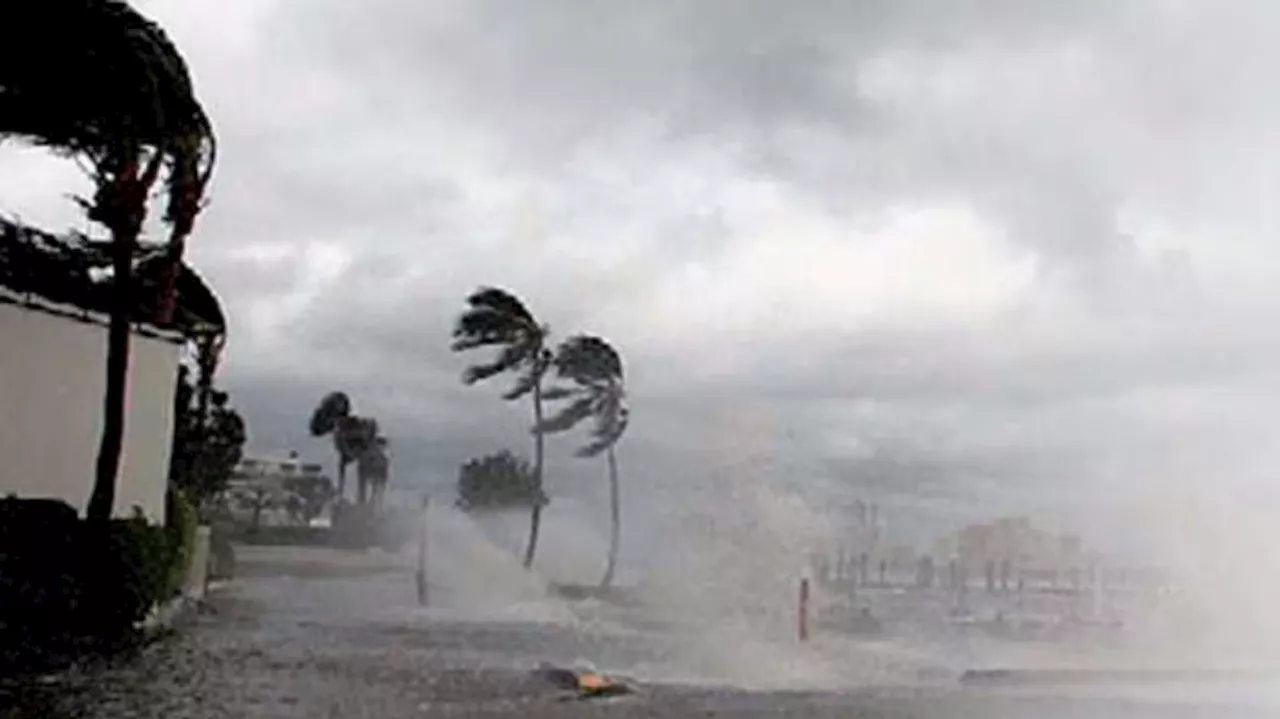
(597, 391)
(607, 432)
(115, 75)
(354, 436)
(569, 415)
(333, 408)
(114, 81)
(497, 318)
(587, 359)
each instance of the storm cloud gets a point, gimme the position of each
(963, 254)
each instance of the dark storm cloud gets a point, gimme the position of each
(634, 168)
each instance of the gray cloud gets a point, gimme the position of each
(947, 252)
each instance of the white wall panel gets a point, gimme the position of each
(52, 374)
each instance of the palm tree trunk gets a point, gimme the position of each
(342, 479)
(258, 503)
(102, 499)
(615, 517)
(535, 515)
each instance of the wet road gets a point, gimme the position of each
(318, 633)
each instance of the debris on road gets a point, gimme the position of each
(585, 683)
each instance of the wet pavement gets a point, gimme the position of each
(320, 633)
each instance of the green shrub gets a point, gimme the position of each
(127, 572)
(40, 587)
(65, 583)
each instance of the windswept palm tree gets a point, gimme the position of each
(597, 391)
(352, 435)
(497, 318)
(117, 97)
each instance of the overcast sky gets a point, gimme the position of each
(940, 252)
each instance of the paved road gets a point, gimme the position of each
(311, 633)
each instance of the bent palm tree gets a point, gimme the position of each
(119, 97)
(497, 318)
(352, 435)
(595, 369)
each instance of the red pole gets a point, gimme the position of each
(804, 609)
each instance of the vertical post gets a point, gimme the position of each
(1099, 598)
(804, 609)
(422, 555)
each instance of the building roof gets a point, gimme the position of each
(74, 270)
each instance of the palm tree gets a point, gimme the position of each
(352, 435)
(497, 318)
(118, 97)
(372, 469)
(595, 369)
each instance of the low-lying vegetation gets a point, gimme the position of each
(68, 586)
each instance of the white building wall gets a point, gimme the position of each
(52, 375)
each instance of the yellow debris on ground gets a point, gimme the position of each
(590, 681)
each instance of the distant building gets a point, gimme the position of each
(275, 467)
(1013, 540)
(262, 486)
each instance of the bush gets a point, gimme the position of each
(498, 481)
(128, 572)
(40, 585)
(65, 583)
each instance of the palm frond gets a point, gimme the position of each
(587, 359)
(119, 82)
(477, 328)
(334, 407)
(496, 317)
(595, 449)
(567, 417)
(501, 302)
(560, 392)
(353, 436)
(524, 384)
(608, 430)
(510, 358)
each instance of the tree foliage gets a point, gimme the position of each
(497, 318)
(205, 450)
(118, 94)
(498, 481)
(353, 436)
(595, 390)
(332, 408)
